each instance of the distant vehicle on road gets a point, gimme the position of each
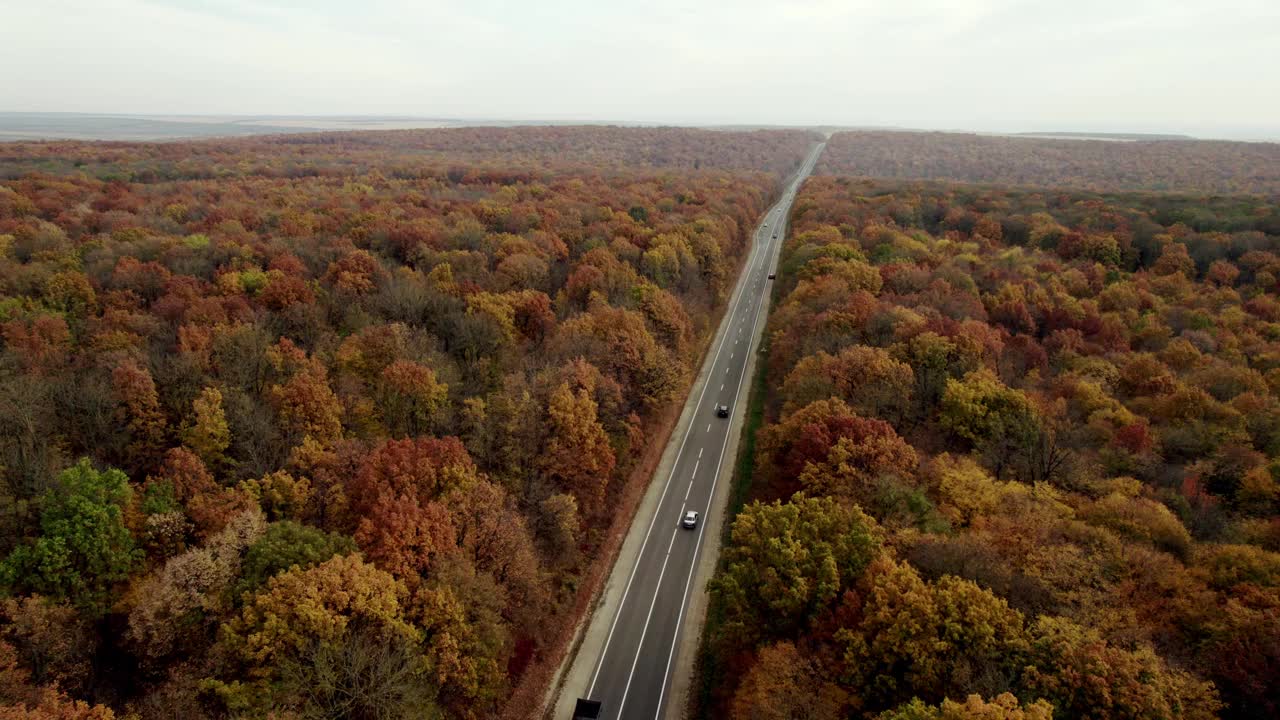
(722, 411)
(690, 520)
(772, 276)
(586, 709)
(775, 236)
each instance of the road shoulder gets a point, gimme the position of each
(577, 679)
(682, 675)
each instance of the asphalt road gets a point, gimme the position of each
(632, 675)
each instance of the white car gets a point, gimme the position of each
(690, 520)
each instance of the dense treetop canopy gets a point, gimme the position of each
(1061, 413)
(501, 153)
(1200, 166)
(333, 425)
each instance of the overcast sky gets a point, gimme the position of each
(1205, 67)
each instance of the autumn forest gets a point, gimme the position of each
(335, 425)
(351, 424)
(1019, 459)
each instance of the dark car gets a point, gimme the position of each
(722, 411)
(772, 276)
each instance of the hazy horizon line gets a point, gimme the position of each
(420, 121)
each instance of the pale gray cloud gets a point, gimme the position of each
(1196, 66)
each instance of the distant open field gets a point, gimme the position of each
(1182, 165)
(143, 128)
(77, 126)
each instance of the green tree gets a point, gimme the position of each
(998, 420)
(1086, 677)
(288, 544)
(786, 562)
(916, 639)
(84, 547)
(1003, 707)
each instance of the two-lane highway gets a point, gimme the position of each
(632, 668)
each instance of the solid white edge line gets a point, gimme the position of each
(675, 637)
(734, 305)
(630, 675)
(693, 563)
(741, 291)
